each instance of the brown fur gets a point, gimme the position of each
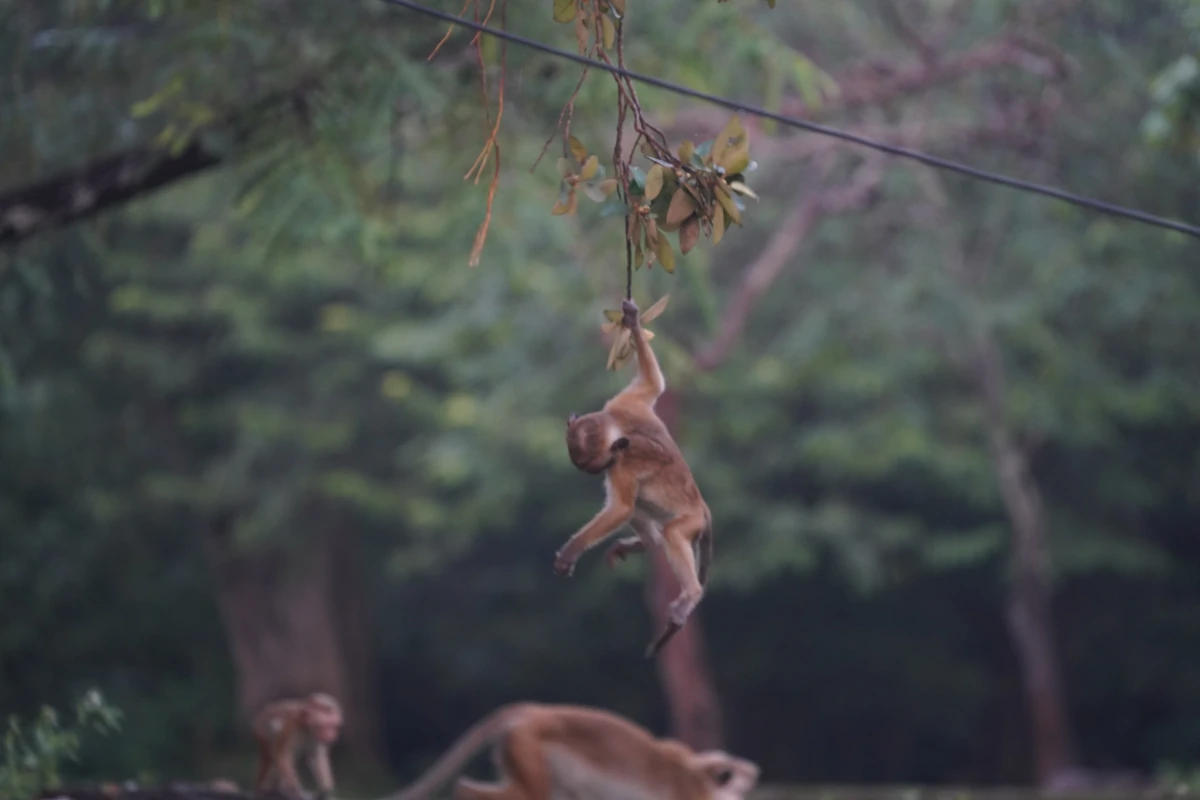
(648, 483)
(548, 752)
(283, 729)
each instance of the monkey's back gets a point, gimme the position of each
(602, 738)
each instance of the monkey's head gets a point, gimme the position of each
(590, 442)
(323, 717)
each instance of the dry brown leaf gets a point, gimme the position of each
(682, 206)
(689, 232)
(651, 313)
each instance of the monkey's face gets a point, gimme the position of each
(587, 443)
(324, 720)
(733, 777)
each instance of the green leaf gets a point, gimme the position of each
(564, 10)
(589, 168)
(614, 206)
(609, 32)
(599, 192)
(728, 203)
(577, 149)
(732, 132)
(666, 256)
(638, 184)
(654, 182)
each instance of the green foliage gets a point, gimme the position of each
(293, 339)
(694, 189)
(1183, 781)
(34, 754)
(1174, 119)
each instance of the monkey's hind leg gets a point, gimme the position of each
(263, 773)
(678, 536)
(523, 772)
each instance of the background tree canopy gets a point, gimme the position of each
(263, 430)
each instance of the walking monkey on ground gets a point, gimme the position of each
(561, 752)
(283, 729)
(648, 485)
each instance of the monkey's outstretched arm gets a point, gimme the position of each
(649, 382)
(618, 510)
(318, 765)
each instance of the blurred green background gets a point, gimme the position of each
(263, 430)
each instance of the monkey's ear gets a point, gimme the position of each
(571, 418)
(620, 444)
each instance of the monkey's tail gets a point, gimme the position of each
(706, 552)
(478, 736)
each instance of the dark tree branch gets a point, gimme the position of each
(80, 193)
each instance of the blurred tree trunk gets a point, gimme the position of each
(352, 616)
(295, 621)
(1029, 615)
(683, 669)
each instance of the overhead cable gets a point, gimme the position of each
(825, 130)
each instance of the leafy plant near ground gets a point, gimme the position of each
(34, 754)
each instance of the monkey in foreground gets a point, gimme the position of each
(648, 485)
(283, 729)
(562, 752)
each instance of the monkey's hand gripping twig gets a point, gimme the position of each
(630, 320)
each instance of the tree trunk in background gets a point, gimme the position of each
(1029, 615)
(295, 626)
(692, 702)
(352, 615)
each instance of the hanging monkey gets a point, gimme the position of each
(648, 485)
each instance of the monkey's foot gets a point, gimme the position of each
(668, 632)
(679, 611)
(615, 555)
(564, 565)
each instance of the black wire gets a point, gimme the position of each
(904, 152)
